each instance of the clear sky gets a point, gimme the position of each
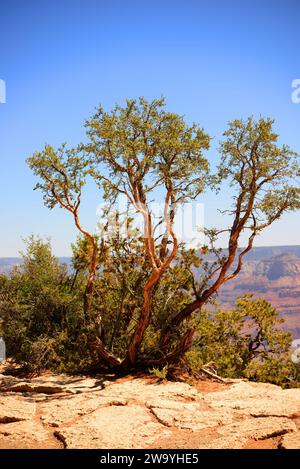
(212, 60)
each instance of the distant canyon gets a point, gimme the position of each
(269, 272)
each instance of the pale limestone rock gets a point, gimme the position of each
(16, 408)
(291, 441)
(258, 399)
(113, 427)
(81, 412)
(26, 434)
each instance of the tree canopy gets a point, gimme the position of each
(146, 153)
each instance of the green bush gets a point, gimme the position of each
(160, 373)
(41, 305)
(42, 320)
(244, 342)
(41, 312)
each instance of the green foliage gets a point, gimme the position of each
(62, 175)
(43, 324)
(143, 296)
(118, 295)
(41, 315)
(160, 373)
(253, 161)
(119, 292)
(152, 147)
(244, 342)
(41, 307)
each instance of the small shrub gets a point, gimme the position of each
(160, 373)
(244, 342)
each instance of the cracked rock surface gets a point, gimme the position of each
(60, 411)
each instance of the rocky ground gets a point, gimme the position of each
(59, 411)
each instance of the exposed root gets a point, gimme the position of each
(60, 437)
(158, 419)
(10, 419)
(273, 435)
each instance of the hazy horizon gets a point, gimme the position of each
(255, 248)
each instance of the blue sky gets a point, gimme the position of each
(212, 60)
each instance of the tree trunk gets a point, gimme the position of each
(89, 289)
(184, 345)
(136, 340)
(104, 356)
(143, 322)
(177, 320)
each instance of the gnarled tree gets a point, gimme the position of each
(146, 153)
(265, 180)
(146, 149)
